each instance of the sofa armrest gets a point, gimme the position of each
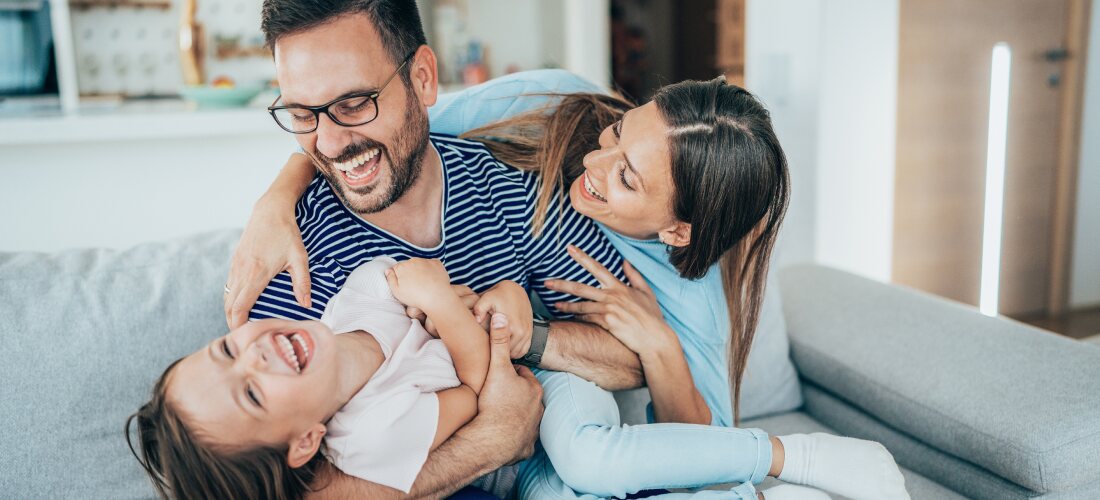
(1019, 401)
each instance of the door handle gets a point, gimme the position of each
(1056, 55)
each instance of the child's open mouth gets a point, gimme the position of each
(296, 349)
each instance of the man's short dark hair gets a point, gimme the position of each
(397, 22)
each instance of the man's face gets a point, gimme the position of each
(369, 166)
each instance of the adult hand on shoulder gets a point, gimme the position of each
(510, 299)
(271, 243)
(629, 312)
(510, 405)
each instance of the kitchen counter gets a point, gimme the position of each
(138, 120)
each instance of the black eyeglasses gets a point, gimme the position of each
(348, 111)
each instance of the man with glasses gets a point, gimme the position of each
(356, 79)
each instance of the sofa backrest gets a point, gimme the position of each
(85, 334)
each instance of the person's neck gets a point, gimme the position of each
(358, 356)
(417, 216)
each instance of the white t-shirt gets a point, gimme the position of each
(384, 433)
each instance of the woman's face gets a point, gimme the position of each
(264, 383)
(627, 183)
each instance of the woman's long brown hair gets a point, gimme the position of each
(729, 174)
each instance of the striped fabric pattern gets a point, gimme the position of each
(487, 237)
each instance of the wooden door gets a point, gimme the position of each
(944, 76)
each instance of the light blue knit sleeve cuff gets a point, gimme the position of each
(501, 98)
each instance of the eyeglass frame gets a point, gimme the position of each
(324, 108)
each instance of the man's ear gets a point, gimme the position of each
(676, 235)
(305, 446)
(424, 75)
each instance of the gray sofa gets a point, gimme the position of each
(970, 406)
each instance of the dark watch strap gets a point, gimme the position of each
(540, 329)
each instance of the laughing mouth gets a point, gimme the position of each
(294, 350)
(350, 167)
(592, 190)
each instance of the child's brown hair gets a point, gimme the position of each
(182, 467)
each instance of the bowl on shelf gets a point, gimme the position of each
(217, 96)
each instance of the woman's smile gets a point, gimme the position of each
(591, 190)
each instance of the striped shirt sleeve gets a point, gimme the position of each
(277, 300)
(326, 276)
(547, 258)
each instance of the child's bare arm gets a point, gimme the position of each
(457, 407)
(424, 284)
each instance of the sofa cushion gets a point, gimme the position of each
(959, 475)
(1015, 400)
(86, 333)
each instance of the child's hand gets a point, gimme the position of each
(420, 283)
(511, 299)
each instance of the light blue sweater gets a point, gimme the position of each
(695, 310)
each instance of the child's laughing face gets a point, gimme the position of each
(265, 383)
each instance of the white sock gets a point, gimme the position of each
(792, 492)
(850, 467)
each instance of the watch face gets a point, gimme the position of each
(532, 360)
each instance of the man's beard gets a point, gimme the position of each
(405, 163)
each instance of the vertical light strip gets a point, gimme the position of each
(995, 178)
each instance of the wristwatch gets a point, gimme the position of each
(540, 329)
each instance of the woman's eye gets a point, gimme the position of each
(225, 349)
(252, 396)
(622, 177)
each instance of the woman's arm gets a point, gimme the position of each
(632, 315)
(671, 386)
(291, 182)
(270, 243)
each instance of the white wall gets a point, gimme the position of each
(828, 71)
(510, 29)
(857, 127)
(588, 39)
(117, 194)
(782, 69)
(1085, 277)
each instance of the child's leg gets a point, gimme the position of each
(593, 453)
(537, 480)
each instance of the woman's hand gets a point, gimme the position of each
(510, 299)
(271, 243)
(421, 283)
(630, 313)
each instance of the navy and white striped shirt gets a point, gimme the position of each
(487, 211)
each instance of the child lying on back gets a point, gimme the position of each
(254, 413)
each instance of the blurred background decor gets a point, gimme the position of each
(26, 49)
(891, 113)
